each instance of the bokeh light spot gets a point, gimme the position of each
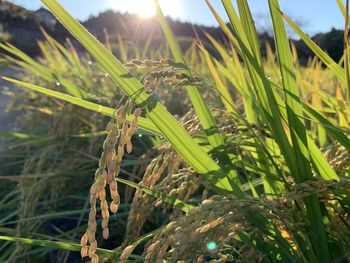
(211, 245)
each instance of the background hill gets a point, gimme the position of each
(21, 28)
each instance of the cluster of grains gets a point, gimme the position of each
(331, 193)
(166, 71)
(328, 191)
(337, 156)
(163, 175)
(166, 174)
(325, 189)
(205, 231)
(180, 185)
(125, 254)
(183, 184)
(151, 63)
(235, 126)
(191, 123)
(32, 190)
(108, 170)
(143, 204)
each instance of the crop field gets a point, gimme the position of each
(129, 153)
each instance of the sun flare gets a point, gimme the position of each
(146, 8)
(142, 8)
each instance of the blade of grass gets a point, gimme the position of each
(42, 71)
(220, 86)
(318, 160)
(346, 49)
(329, 127)
(205, 117)
(247, 96)
(327, 60)
(342, 9)
(270, 114)
(201, 108)
(56, 244)
(143, 123)
(223, 25)
(266, 97)
(298, 131)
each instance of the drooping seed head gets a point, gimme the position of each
(104, 223)
(104, 205)
(113, 186)
(115, 196)
(125, 128)
(129, 147)
(105, 233)
(137, 62)
(105, 213)
(131, 131)
(110, 126)
(137, 112)
(93, 247)
(126, 253)
(109, 156)
(92, 226)
(113, 207)
(84, 239)
(115, 132)
(98, 172)
(94, 258)
(84, 251)
(91, 236)
(134, 122)
(92, 215)
(120, 155)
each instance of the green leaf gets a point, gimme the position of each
(298, 131)
(266, 97)
(327, 60)
(44, 72)
(143, 123)
(225, 95)
(336, 133)
(205, 117)
(342, 9)
(56, 244)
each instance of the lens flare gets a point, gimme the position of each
(147, 8)
(211, 245)
(142, 8)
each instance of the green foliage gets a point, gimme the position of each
(258, 165)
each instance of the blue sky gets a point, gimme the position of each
(314, 15)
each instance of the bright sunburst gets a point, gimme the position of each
(146, 8)
(143, 8)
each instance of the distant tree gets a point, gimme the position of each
(331, 42)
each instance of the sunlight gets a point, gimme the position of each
(146, 8)
(143, 8)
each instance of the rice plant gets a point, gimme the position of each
(250, 166)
